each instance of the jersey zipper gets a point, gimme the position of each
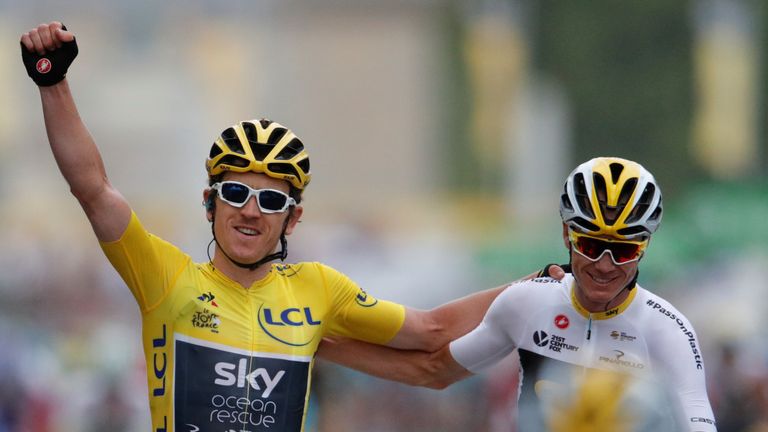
(252, 312)
(588, 346)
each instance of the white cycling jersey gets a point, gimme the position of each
(645, 338)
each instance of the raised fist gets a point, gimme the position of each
(47, 51)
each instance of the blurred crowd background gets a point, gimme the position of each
(440, 134)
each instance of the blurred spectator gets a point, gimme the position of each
(20, 409)
(112, 413)
(739, 387)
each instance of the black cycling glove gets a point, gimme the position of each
(51, 67)
(545, 272)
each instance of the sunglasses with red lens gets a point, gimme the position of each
(621, 251)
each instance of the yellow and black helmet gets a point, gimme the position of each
(261, 146)
(612, 197)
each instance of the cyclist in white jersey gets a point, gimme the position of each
(567, 332)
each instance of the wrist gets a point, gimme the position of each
(61, 88)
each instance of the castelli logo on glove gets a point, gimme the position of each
(43, 65)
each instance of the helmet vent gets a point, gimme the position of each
(585, 224)
(215, 151)
(232, 141)
(250, 132)
(260, 151)
(235, 145)
(276, 135)
(304, 165)
(626, 192)
(565, 202)
(599, 184)
(234, 160)
(616, 170)
(642, 204)
(601, 193)
(656, 215)
(291, 149)
(229, 133)
(283, 168)
(632, 231)
(580, 190)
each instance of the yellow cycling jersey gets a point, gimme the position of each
(222, 357)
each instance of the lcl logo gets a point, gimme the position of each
(291, 317)
(290, 326)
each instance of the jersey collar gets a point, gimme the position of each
(214, 273)
(610, 313)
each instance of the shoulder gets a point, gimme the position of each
(658, 311)
(312, 273)
(302, 269)
(672, 333)
(536, 292)
(540, 285)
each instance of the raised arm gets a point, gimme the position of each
(45, 50)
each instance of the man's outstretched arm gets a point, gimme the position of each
(433, 329)
(73, 147)
(435, 370)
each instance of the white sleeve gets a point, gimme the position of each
(489, 342)
(680, 355)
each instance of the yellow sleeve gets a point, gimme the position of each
(358, 315)
(147, 264)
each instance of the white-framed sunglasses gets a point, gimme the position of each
(237, 195)
(593, 248)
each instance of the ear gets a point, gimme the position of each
(293, 219)
(566, 241)
(208, 203)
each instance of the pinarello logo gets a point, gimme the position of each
(562, 322)
(43, 66)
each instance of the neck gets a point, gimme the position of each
(243, 276)
(596, 306)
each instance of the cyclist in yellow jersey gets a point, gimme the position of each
(229, 344)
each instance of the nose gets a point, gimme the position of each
(605, 262)
(251, 208)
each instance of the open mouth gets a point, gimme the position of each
(602, 280)
(247, 231)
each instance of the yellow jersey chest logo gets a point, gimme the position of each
(293, 326)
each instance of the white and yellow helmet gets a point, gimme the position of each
(609, 196)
